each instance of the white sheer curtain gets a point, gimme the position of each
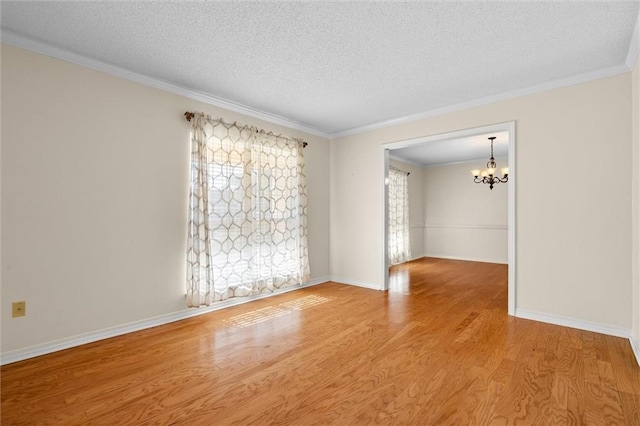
(247, 212)
(398, 238)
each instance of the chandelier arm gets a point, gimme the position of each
(497, 180)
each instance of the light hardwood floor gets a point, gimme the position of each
(438, 348)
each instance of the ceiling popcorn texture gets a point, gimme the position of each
(339, 66)
(461, 149)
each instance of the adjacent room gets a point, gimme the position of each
(449, 215)
(320, 212)
(435, 209)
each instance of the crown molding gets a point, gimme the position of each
(448, 163)
(404, 160)
(473, 160)
(555, 84)
(455, 226)
(634, 46)
(17, 40)
(13, 39)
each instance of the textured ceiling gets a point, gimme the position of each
(341, 65)
(446, 151)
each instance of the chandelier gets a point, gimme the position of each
(489, 175)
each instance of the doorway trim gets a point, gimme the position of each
(509, 127)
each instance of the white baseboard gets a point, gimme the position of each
(468, 259)
(595, 327)
(409, 260)
(93, 336)
(635, 346)
(356, 283)
(415, 258)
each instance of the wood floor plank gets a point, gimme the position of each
(438, 348)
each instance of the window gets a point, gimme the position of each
(247, 212)
(399, 249)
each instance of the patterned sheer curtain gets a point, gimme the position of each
(247, 212)
(398, 238)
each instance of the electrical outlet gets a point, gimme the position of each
(19, 309)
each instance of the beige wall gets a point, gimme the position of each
(464, 220)
(452, 217)
(573, 227)
(2, 302)
(635, 197)
(416, 206)
(94, 193)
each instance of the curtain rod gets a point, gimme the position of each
(189, 115)
(399, 170)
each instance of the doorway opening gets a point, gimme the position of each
(455, 148)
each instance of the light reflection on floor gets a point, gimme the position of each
(398, 291)
(282, 320)
(398, 280)
(270, 312)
